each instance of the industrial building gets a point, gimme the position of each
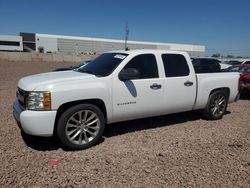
(11, 43)
(88, 45)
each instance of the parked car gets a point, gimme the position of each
(244, 70)
(118, 86)
(245, 78)
(234, 68)
(206, 65)
(236, 62)
(83, 63)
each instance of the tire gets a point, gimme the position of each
(81, 126)
(216, 106)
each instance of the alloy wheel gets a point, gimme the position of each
(82, 127)
(218, 105)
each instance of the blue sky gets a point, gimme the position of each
(221, 25)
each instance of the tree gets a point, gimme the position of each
(216, 55)
(230, 56)
(41, 49)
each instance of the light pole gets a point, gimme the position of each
(126, 35)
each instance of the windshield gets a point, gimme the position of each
(104, 64)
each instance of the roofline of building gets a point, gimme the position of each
(197, 47)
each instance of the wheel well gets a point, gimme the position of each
(224, 89)
(97, 102)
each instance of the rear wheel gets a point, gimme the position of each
(81, 126)
(216, 106)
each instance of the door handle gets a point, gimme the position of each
(155, 86)
(188, 83)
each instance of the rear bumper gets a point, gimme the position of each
(37, 123)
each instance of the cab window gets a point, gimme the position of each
(175, 65)
(146, 65)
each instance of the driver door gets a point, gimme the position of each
(142, 97)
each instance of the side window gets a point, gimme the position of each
(247, 62)
(196, 62)
(146, 65)
(209, 62)
(175, 65)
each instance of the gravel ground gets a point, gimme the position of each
(179, 150)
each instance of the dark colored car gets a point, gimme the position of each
(206, 65)
(73, 67)
(244, 71)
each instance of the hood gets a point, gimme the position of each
(30, 83)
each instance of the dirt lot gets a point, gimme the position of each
(178, 150)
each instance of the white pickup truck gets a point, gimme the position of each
(118, 86)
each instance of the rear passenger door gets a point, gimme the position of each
(179, 84)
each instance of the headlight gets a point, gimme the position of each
(39, 100)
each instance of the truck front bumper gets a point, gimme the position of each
(37, 123)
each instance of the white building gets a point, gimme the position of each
(11, 43)
(82, 45)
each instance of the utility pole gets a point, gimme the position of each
(126, 35)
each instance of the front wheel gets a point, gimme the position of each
(81, 126)
(216, 106)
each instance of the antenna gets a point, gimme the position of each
(126, 36)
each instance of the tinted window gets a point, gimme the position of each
(104, 64)
(208, 62)
(175, 65)
(196, 62)
(145, 64)
(247, 62)
(216, 60)
(205, 65)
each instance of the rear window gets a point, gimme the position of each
(175, 65)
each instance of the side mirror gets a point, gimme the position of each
(129, 74)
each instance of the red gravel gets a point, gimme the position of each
(170, 151)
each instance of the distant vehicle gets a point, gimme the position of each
(245, 78)
(206, 65)
(234, 68)
(83, 63)
(244, 70)
(236, 62)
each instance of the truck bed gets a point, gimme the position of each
(206, 82)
